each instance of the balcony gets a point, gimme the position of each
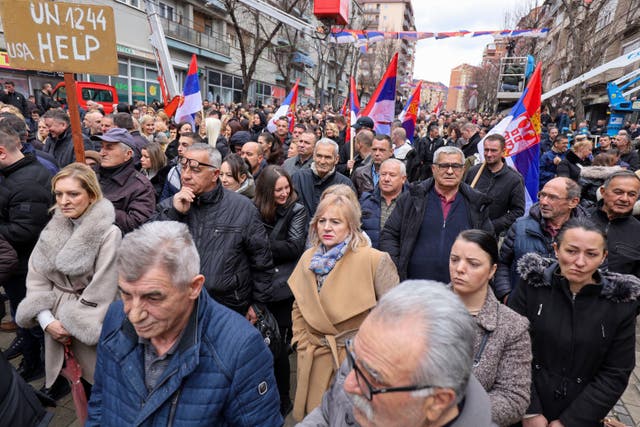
(187, 34)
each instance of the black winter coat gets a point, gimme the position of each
(287, 236)
(25, 198)
(310, 186)
(583, 345)
(506, 190)
(398, 237)
(61, 148)
(19, 405)
(235, 256)
(571, 166)
(623, 234)
(420, 159)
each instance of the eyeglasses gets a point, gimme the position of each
(193, 164)
(446, 166)
(551, 197)
(365, 386)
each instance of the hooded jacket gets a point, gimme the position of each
(310, 186)
(583, 345)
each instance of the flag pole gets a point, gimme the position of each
(477, 177)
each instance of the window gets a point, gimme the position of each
(224, 88)
(135, 82)
(134, 3)
(606, 14)
(166, 11)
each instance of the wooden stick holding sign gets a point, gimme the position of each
(477, 177)
(74, 115)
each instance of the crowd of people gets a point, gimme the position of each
(412, 285)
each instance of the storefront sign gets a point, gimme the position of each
(55, 36)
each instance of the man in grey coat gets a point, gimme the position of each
(396, 350)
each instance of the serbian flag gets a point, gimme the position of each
(381, 106)
(288, 109)
(409, 115)
(353, 110)
(521, 131)
(191, 101)
(438, 107)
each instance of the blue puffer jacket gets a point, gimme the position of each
(370, 205)
(526, 235)
(220, 375)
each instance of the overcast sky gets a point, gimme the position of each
(435, 58)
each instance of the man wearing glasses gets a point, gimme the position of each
(401, 372)
(427, 219)
(227, 230)
(558, 201)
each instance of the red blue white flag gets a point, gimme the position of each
(521, 131)
(191, 101)
(287, 109)
(381, 106)
(409, 115)
(354, 108)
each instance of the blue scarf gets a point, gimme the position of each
(324, 260)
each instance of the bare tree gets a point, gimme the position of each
(254, 33)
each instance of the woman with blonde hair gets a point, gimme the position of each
(329, 305)
(72, 275)
(148, 127)
(153, 163)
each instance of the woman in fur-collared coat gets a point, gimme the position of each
(72, 275)
(582, 326)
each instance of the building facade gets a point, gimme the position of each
(461, 88)
(202, 28)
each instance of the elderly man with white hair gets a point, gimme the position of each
(168, 353)
(409, 365)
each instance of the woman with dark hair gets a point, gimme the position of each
(172, 149)
(285, 221)
(258, 123)
(271, 148)
(235, 176)
(582, 326)
(502, 347)
(455, 137)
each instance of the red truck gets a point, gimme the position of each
(103, 94)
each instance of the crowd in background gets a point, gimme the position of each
(313, 229)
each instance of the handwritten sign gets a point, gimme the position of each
(53, 36)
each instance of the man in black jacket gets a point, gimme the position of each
(11, 97)
(613, 214)
(25, 197)
(502, 184)
(226, 227)
(427, 219)
(60, 142)
(311, 182)
(420, 160)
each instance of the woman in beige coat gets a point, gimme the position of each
(335, 284)
(72, 275)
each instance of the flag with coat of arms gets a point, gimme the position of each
(521, 131)
(191, 100)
